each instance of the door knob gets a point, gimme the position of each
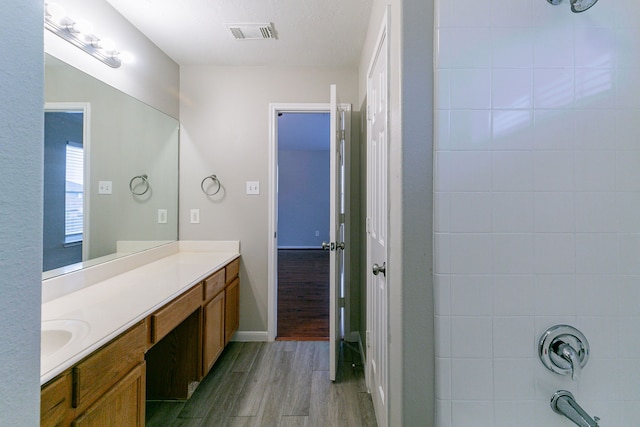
(327, 246)
(340, 245)
(380, 269)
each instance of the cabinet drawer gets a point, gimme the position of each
(54, 401)
(95, 375)
(164, 320)
(214, 284)
(232, 269)
(122, 406)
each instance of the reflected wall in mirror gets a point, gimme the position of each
(106, 137)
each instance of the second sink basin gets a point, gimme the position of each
(57, 334)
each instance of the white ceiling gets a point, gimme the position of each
(324, 33)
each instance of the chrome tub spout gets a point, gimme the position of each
(563, 403)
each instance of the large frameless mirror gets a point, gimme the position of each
(98, 143)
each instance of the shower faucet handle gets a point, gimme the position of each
(564, 350)
(567, 352)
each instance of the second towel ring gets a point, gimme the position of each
(144, 182)
(214, 180)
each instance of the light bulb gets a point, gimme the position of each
(55, 12)
(83, 27)
(107, 45)
(126, 57)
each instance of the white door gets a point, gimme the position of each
(337, 230)
(377, 229)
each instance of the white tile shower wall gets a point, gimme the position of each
(537, 178)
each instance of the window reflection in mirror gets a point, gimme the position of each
(121, 137)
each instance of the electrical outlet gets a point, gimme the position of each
(162, 216)
(195, 216)
(105, 187)
(317, 233)
(253, 187)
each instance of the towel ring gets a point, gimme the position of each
(144, 180)
(214, 180)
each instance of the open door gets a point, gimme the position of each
(337, 231)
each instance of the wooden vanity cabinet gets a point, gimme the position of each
(213, 339)
(174, 313)
(123, 405)
(103, 369)
(55, 399)
(221, 312)
(173, 361)
(104, 389)
(108, 386)
(232, 309)
(163, 356)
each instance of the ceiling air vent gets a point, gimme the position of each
(251, 31)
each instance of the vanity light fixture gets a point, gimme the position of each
(577, 6)
(80, 34)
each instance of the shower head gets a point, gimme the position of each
(577, 6)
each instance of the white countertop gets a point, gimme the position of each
(111, 306)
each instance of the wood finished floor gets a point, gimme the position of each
(282, 383)
(303, 294)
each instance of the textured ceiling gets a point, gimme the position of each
(309, 32)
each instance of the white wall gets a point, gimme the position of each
(21, 158)
(225, 131)
(303, 198)
(152, 77)
(537, 207)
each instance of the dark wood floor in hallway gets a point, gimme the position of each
(282, 383)
(303, 294)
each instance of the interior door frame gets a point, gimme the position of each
(85, 108)
(272, 256)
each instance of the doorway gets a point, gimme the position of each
(303, 192)
(340, 119)
(66, 146)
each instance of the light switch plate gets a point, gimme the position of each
(194, 216)
(105, 187)
(253, 187)
(162, 216)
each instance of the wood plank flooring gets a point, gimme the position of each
(282, 383)
(303, 294)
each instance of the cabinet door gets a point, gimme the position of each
(55, 399)
(213, 332)
(232, 310)
(122, 406)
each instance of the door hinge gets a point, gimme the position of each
(342, 134)
(341, 302)
(341, 218)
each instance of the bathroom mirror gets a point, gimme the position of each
(97, 141)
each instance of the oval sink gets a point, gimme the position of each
(56, 334)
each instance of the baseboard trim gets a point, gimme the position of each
(299, 247)
(251, 336)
